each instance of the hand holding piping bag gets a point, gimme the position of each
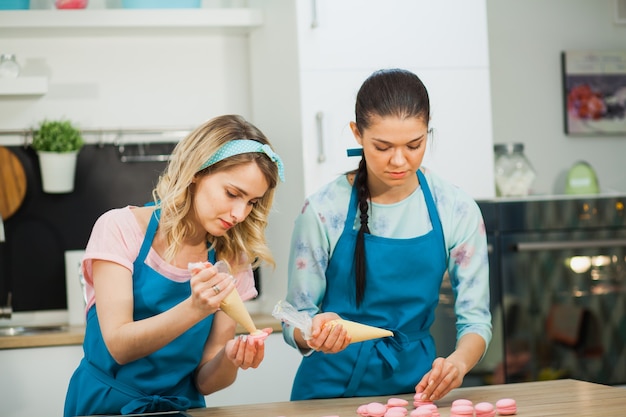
(209, 287)
(356, 332)
(232, 304)
(332, 334)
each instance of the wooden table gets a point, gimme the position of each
(566, 397)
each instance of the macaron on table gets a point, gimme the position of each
(508, 406)
(565, 397)
(485, 409)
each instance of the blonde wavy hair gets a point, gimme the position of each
(173, 194)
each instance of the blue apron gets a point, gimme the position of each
(401, 294)
(161, 381)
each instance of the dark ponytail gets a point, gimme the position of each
(388, 92)
(363, 194)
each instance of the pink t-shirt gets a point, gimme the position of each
(117, 237)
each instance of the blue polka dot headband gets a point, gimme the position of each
(239, 146)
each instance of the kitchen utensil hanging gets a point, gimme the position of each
(145, 152)
(12, 183)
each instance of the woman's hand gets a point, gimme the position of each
(448, 373)
(246, 351)
(209, 287)
(444, 376)
(328, 338)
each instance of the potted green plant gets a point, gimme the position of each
(57, 143)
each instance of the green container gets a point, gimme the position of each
(582, 179)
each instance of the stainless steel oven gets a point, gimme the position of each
(559, 276)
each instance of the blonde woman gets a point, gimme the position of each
(156, 339)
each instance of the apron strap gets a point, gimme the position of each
(359, 367)
(154, 403)
(435, 220)
(112, 382)
(142, 402)
(150, 232)
(387, 354)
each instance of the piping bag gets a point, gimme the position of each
(287, 313)
(233, 304)
(358, 332)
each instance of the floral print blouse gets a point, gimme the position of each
(321, 221)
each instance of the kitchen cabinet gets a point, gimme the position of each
(34, 381)
(352, 34)
(327, 108)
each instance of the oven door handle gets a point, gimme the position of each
(565, 244)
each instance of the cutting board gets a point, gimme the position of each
(12, 183)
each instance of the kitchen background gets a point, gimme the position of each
(492, 68)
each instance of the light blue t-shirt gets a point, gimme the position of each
(321, 221)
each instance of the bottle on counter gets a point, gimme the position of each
(9, 68)
(514, 174)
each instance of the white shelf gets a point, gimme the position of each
(204, 18)
(23, 86)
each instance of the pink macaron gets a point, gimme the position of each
(506, 407)
(362, 410)
(258, 335)
(417, 400)
(484, 409)
(376, 409)
(397, 402)
(421, 412)
(396, 412)
(462, 401)
(432, 407)
(461, 410)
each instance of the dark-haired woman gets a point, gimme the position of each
(373, 246)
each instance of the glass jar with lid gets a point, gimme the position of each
(9, 68)
(514, 174)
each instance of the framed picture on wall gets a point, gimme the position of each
(594, 92)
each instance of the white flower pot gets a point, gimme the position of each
(57, 171)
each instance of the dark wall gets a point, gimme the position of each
(32, 264)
